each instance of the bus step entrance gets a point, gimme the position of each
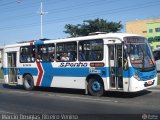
(13, 83)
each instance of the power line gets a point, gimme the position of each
(68, 8)
(63, 19)
(26, 6)
(113, 11)
(82, 5)
(57, 11)
(8, 3)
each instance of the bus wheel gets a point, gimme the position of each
(95, 86)
(28, 82)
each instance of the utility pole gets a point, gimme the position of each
(41, 14)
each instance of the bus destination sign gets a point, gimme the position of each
(134, 40)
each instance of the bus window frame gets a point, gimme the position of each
(64, 51)
(48, 55)
(102, 55)
(29, 53)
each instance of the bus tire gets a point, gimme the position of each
(95, 86)
(28, 82)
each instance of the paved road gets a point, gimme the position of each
(64, 101)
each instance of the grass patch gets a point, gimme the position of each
(1, 74)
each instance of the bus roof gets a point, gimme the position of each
(98, 36)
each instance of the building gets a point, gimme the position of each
(153, 33)
(149, 28)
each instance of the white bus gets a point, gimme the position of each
(95, 63)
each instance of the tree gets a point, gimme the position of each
(89, 26)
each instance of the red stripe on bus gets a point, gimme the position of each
(31, 43)
(40, 74)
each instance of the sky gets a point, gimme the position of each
(20, 19)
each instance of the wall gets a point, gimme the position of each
(152, 35)
(137, 27)
(142, 27)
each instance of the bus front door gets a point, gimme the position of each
(12, 74)
(115, 66)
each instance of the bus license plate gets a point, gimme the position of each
(149, 82)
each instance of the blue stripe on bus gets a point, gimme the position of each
(50, 72)
(47, 75)
(67, 71)
(5, 71)
(32, 71)
(22, 71)
(146, 75)
(39, 43)
(60, 71)
(128, 73)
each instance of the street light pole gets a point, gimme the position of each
(41, 14)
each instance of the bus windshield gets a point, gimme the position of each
(140, 54)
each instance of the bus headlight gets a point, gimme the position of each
(136, 76)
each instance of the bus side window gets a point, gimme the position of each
(27, 54)
(66, 51)
(23, 55)
(82, 56)
(91, 50)
(45, 53)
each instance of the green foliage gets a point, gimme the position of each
(89, 26)
(1, 74)
(158, 79)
